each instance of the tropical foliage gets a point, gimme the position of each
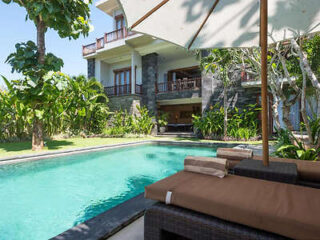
(123, 123)
(242, 124)
(293, 76)
(163, 119)
(69, 105)
(69, 18)
(289, 146)
(221, 62)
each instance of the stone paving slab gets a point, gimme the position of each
(109, 222)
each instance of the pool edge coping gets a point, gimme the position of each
(61, 153)
(109, 222)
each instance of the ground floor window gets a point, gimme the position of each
(180, 116)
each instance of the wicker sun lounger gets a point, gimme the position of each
(308, 171)
(283, 209)
(167, 222)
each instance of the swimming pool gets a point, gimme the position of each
(40, 199)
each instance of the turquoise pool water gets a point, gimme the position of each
(41, 199)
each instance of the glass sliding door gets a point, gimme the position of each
(122, 78)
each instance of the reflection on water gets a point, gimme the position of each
(58, 193)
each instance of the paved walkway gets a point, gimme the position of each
(133, 231)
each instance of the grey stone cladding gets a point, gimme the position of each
(127, 102)
(149, 79)
(179, 94)
(212, 92)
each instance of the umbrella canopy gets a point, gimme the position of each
(203, 24)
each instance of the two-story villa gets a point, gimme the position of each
(137, 69)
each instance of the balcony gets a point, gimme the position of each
(121, 90)
(184, 84)
(107, 38)
(248, 81)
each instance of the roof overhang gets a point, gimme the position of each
(108, 6)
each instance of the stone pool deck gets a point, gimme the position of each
(134, 231)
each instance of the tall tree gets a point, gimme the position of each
(70, 18)
(221, 62)
(293, 67)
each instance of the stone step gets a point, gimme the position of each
(177, 134)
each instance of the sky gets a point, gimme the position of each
(15, 29)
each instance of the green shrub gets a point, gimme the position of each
(73, 105)
(122, 123)
(211, 123)
(85, 106)
(242, 125)
(297, 152)
(163, 119)
(315, 130)
(143, 123)
(289, 146)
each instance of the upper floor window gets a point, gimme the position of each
(119, 22)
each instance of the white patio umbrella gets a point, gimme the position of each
(203, 24)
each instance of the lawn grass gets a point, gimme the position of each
(23, 148)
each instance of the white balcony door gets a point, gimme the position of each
(119, 27)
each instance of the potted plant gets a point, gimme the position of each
(163, 122)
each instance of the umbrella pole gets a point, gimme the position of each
(264, 80)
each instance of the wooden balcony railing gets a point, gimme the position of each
(120, 90)
(138, 88)
(88, 49)
(179, 85)
(245, 77)
(107, 38)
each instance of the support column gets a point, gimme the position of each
(133, 72)
(135, 66)
(101, 73)
(149, 79)
(98, 70)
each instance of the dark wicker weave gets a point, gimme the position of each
(167, 222)
(276, 171)
(309, 184)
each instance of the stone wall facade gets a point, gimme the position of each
(212, 92)
(91, 67)
(179, 94)
(127, 102)
(149, 79)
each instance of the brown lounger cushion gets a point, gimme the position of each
(307, 170)
(288, 210)
(234, 153)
